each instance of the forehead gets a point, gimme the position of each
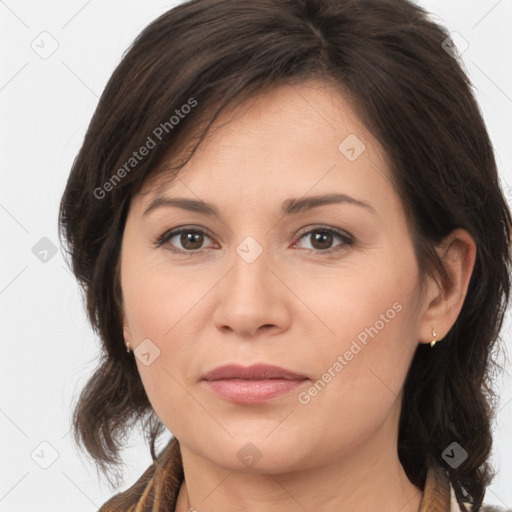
(291, 135)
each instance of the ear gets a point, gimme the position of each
(444, 300)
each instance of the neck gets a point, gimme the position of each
(367, 479)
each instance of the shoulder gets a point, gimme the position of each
(466, 507)
(483, 508)
(127, 500)
(158, 486)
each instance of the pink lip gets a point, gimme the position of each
(254, 384)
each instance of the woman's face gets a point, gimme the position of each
(327, 290)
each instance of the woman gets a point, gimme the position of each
(287, 222)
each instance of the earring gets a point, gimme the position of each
(125, 335)
(434, 341)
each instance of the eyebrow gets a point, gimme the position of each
(288, 207)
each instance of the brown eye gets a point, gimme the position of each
(183, 240)
(322, 240)
(191, 241)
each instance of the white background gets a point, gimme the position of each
(48, 349)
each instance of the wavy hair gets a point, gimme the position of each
(391, 61)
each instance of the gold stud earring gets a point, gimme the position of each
(125, 335)
(434, 341)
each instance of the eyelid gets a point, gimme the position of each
(171, 233)
(347, 239)
(320, 227)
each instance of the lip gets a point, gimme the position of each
(253, 372)
(254, 384)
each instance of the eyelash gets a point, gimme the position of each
(347, 240)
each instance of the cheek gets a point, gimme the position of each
(160, 310)
(372, 305)
(363, 362)
(359, 376)
(159, 298)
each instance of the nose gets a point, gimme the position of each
(252, 298)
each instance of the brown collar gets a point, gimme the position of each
(437, 494)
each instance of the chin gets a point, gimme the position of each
(255, 454)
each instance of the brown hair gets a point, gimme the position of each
(388, 58)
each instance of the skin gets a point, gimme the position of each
(288, 307)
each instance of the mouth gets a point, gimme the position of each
(254, 384)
